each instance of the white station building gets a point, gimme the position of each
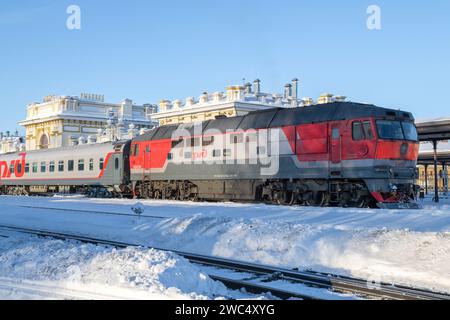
(61, 121)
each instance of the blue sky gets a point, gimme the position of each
(150, 50)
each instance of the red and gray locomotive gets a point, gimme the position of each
(337, 154)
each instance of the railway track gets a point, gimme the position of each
(261, 276)
(94, 212)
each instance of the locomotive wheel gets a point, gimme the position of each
(284, 198)
(318, 200)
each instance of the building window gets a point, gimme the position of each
(43, 167)
(81, 165)
(101, 163)
(70, 165)
(91, 164)
(35, 167)
(43, 142)
(61, 166)
(51, 167)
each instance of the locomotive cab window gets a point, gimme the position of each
(357, 131)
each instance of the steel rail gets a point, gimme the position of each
(333, 283)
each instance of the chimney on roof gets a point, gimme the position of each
(287, 91)
(295, 89)
(248, 88)
(257, 87)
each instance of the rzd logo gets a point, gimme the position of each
(18, 165)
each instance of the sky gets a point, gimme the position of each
(152, 50)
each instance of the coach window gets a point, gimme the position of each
(81, 165)
(61, 166)
(101, 163)
(227, 152)
(35, 167)
(27, 167)
(51, 168)
(91, 164)
(43, 167)
(357, 131)
(70, 165)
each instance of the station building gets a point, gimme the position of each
(61, 121)
(235, 101)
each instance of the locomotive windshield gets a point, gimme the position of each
(396, 130)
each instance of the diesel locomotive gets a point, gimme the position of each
(337, 154)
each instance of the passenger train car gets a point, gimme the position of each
(340, 154)
(99, 169)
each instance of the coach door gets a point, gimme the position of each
(336, 150)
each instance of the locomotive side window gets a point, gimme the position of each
(368, 130)
(43, 167)
(116, 163)
(169, 156)
(80, 165)
(91, 164)
(136, 152)
(27, 167)
(35, 167)
(51, 167)
(70, 165)
(61, 166)
(357, 131)
(133, 150)
(101, 163)
(336, 133)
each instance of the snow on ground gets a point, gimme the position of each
(53, 269)
(410, 247)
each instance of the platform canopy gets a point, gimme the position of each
(434, 130)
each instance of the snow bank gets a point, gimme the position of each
(409, 247)
(104, 272)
